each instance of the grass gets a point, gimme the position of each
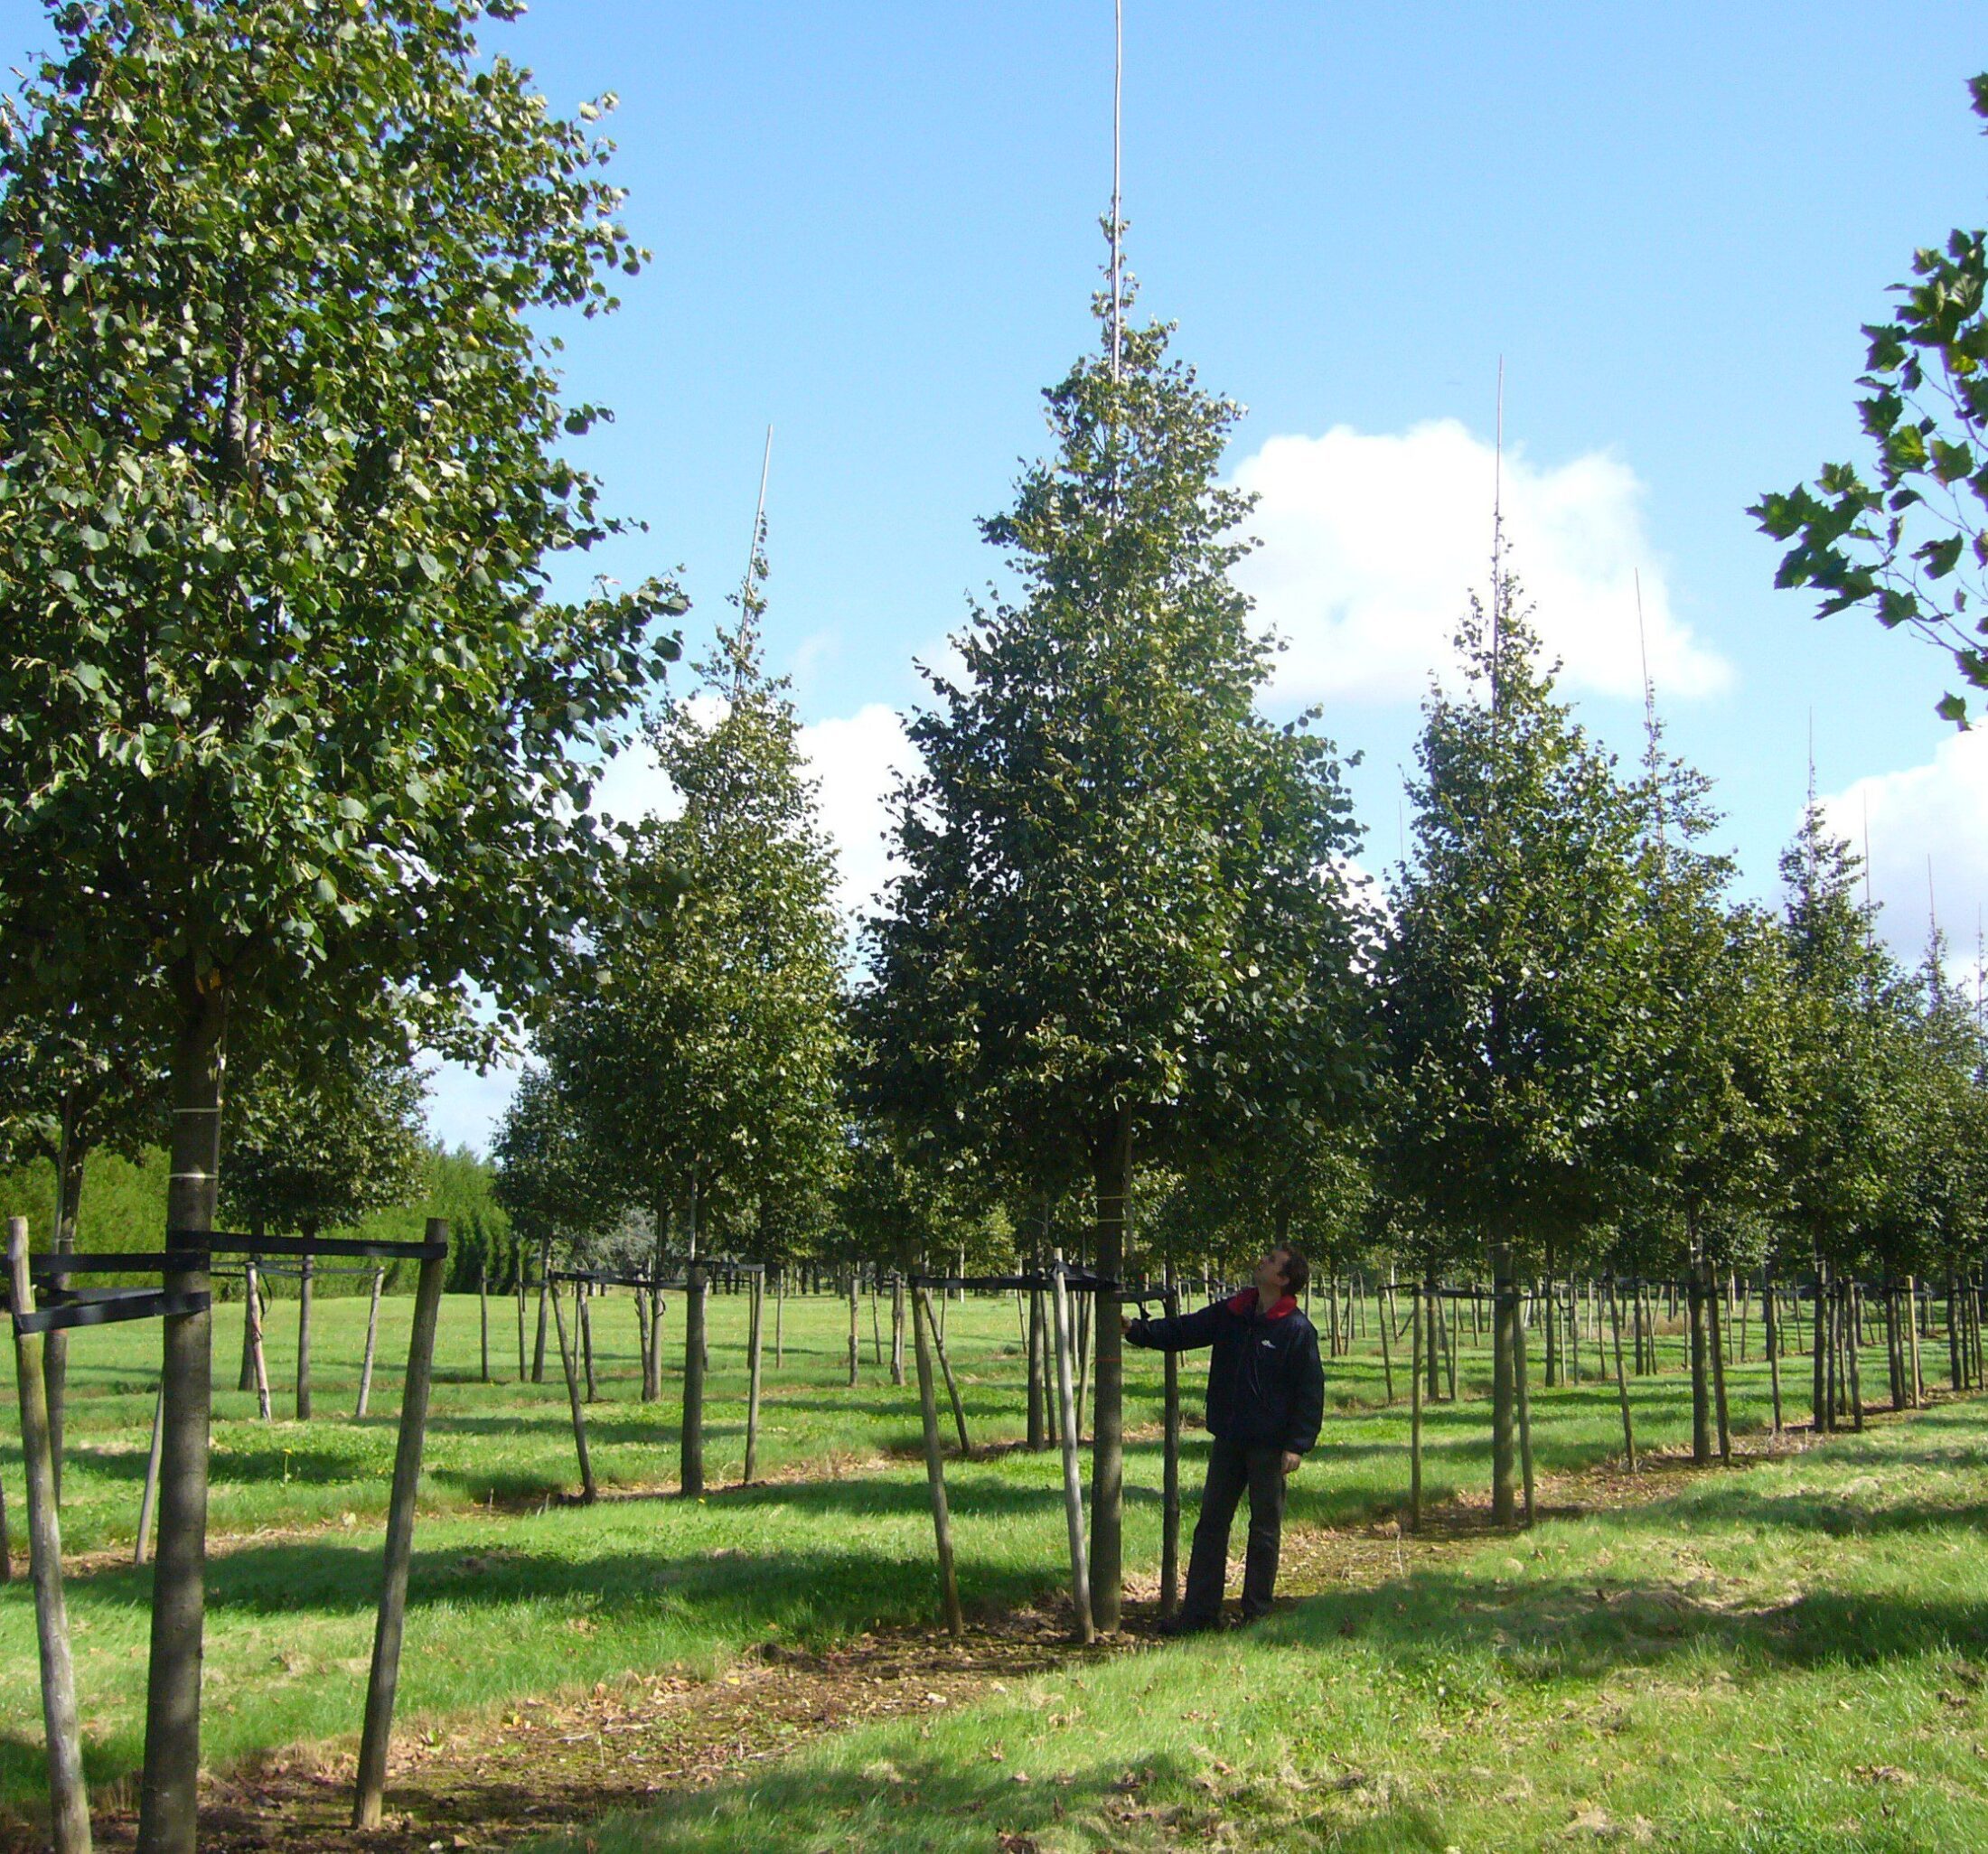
(1790, 1658)
(513, 1596)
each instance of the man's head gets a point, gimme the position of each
(1283, 1270)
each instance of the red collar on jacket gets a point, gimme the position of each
(1244, 1303)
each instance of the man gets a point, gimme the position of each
(1266, 1396)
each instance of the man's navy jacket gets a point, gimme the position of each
(1266, 1387)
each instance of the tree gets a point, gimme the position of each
(1081, 949)
(1910, 542)
(703, 1049)
(288, 709)
(1513, 976)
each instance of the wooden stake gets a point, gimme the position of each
(1387, 1359)
(583, 1332)
(1622, 1380)
(258, 1359)
(69, 1801)
(483, 1310)
(148, 1500)
(1169, 1485)
(372, 1341)
(1073, 1479)
(946, 1369)
(520, 1316)
(385, 1675)
(304, 1271)
(1520, 1375)
(756, 1320)
(1415, 1410)
(588, 1492)
(935, 1474)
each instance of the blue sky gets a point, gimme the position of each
(874, 226)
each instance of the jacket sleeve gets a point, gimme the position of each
(1184, 1332)
(1307, 1394)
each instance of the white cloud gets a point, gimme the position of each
(1932, 812)
(463, 1107)
(1371, 543)
(855, 758)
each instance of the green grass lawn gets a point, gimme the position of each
(1793, 1657)
(512, 1596)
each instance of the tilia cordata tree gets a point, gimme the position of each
(1513, 979)
(702, 1049)
(288, 711)
(1079, 948)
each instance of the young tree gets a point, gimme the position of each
(287, 710)
(1513, 981)
(704, 1048)
(1080, 945)
(1910, 542)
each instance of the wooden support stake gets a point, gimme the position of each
(583, 1333)
(945, 1371)
(1622, 1381)
(1169, 1484)
(755, 1319)
(1073, 1479)
(69, 1801)
(855, 1343)
(372, 1341)
(304, 1273)
(400, 1550)
(588, 1492)
(520, 1316)
(1415, 1410)
(257, 1361)
(1524, 1411)
(483, 1311)
(1387, 1357)
(690, 1473)
(148, 1500)
(935, 1472)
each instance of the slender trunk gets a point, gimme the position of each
(304, 1271)
(1387, 1359)
(1719, 1381)
(1916, 1386)
(1953, 1331)
(569, 1367)
(1433, 1358)
(1519, 1377)
(1113, 1169)
(1169, 1487)
(583, 1332)
(1694, 1294)
(935, 1474)
(1415, 1410)
(1073, 1479)
(68, 1200)
(169, 1799)
(855, 1341)
(755, 1319)
(1622, 1380)
(1821, 1417)
(898, 1329)
(252, 1326)
(483, 1311)
(1038, 1438)
(61, 1722)
(779, 1317)
(1855, 1312)
(1771, 1338)
(520, 1316)
(372, 1336)
(1504, 1319)
(544, 1288)
(937, 1324)
(691, 1479)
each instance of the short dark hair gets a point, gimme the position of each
(1297, 1269)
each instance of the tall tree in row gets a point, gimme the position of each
(288, 709)
(1513, 985)
(702, 1049)
(1081, 945)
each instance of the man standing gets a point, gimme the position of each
(1266, 1396)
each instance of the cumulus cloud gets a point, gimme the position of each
(855, 760)
(1372, 541)
(1923, 814)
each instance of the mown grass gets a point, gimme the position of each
(1793, 1657)
(513, 1596)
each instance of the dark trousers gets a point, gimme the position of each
(1234, 1468)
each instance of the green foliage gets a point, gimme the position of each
(701, 1052)
(1514, 985)
(284, 699)
(1122, 904)
(1910, 542)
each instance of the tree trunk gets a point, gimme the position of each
(1505, 1315)
(1771, 1338)
(61, 1723)
(1433, 1360)
(1719, 1405)
(1694, 1296)
(691, 1479)
(1112, 1163)
(1622, 1380)
(1072, 1482)
(68, 1200)
(544, 1288)
(1169, 1487)
(898, 1329)
(252, 1335)
(569, 1366)
(1916, 1383)
(855, 1341)
(306, 1267)
(1520, 1379)
(1821, 1416)
(169, 1796)
(755, 1336)
(372, 1337)
(1038, 1438)
(935, 1475)
(1415, 1410)
(483, 1310)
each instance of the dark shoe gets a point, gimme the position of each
(1180, 1623)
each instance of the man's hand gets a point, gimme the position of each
(1291, 1460)
(1125, 1323)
